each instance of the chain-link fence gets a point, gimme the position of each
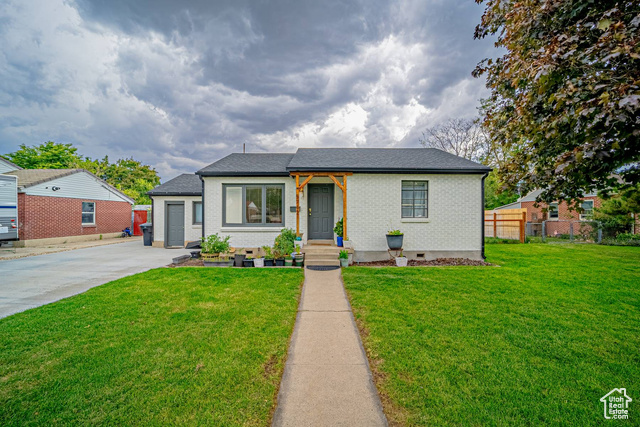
(577, 231)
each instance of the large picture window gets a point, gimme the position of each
(415, 199)
(253, 204)
(88, 213)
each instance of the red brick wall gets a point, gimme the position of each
(536, 215)
(42, 217)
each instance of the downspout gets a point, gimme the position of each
(482, 214)
(203, 215)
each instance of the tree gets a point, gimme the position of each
(565, 97)
(48, 155)
(127, 175)
(462, 137)
(494, 193)
(617, 213)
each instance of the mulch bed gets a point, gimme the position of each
(438, 262)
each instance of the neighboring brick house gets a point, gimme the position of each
(68, 203)
(558, 215)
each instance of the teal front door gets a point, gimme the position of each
(320, 204)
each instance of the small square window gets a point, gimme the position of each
(553, 211)
(88, 213)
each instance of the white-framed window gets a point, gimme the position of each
(88, 213)
(553, 211)
(587, 209)
(253, 205)
(415, 197)
(197, 213)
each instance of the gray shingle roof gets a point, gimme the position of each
(382, 160)
(187, 184)
(30, 177)
(375, 160)
(249, 164)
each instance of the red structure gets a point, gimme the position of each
(140, 216)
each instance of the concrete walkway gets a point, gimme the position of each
(327, 381)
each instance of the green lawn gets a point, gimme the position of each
(536, 341)
(170, 346)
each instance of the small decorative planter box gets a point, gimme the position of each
(394, 241)
(238, 260)
(247, 263)
(288, 262)
(344, 262)
(258, 262)
(401, 261)
(269, 263)
(218, 262)
(279, 262)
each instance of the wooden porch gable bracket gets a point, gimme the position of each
(332, 176)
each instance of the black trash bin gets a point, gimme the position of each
(147, 233)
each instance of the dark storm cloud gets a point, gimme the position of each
(182, 83)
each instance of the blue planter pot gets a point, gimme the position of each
(340, 241)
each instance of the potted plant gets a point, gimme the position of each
(298, 255)
(344, 258)
(248, 261)
(339, 230)
(288, 261)
(212, 246)
(394, 239)
(284, 242)
(268, 256)
(278, 258)
(258, 262)
(401, 261)
(238, 259)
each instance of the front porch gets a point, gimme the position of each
(320, 204)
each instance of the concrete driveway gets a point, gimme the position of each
(38, 280)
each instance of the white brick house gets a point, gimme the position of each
(433, 197)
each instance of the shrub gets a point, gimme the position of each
(395, 233)
(215, 244)
(343, 255)
(284, 242)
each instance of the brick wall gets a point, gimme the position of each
(44, 217)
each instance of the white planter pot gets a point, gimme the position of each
(258, 262)
(348, 244)
(401, 261)
(344, 262)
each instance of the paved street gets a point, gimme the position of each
(37, 280)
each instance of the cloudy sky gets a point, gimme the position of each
(179, 84)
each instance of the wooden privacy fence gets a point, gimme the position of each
(505, 223)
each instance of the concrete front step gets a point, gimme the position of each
(321, 243)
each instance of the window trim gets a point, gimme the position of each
(244, 222)
(193, 212)
(88, 224)
(557, 217)
(413, 203)
(584, 217)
